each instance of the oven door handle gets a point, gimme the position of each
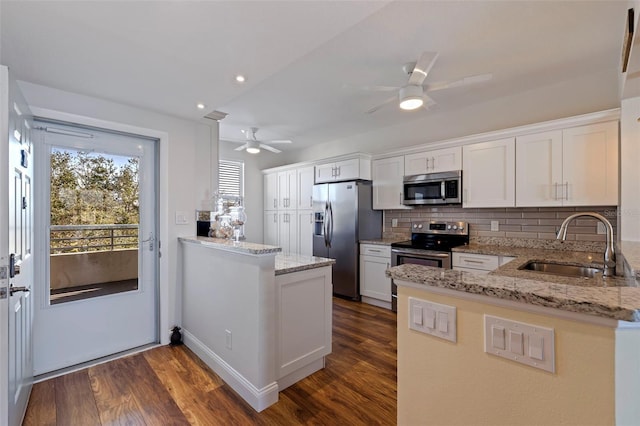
(426, 254)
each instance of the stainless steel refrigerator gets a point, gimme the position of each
(343, 216)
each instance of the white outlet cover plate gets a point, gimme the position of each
(531, 342)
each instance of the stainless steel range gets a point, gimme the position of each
(430, 245)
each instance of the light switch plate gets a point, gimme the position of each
(433, 318)
(181, 218)
(527, 344)
(495, 225)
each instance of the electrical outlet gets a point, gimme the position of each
(495, 225)
(601, 229)
(394, 223)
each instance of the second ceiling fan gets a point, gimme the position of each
(413, 95)
(253, 145)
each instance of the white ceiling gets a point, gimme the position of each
(306, 60)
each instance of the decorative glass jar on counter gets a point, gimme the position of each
(229, 218)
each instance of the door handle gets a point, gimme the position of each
(330, 224)
(13, 289)
(149, 240)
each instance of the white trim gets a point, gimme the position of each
(4, 243)
(259, 399)
(521, 306)
(561, 123)
(163, 137)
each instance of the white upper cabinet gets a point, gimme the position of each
(287, 191)
(539, 169)
(305, 187)
(590, 160)
(577, 166)
(489, 174)
(271, 191)
(440, 160)
(388, 174)
(348, 169)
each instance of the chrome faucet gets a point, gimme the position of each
(609, 253)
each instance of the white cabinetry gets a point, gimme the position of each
(271, 191)
(287, 231)
(305, 232)
(305, 187)
(270, 225)
(347, 169)
(590, 164)
(571, 167)
(478, 263)
(489, 174)
(287, 191)
(375, 287)
(440, 160)
(388, 174)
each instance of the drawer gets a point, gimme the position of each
(475, 261)
(375, 250)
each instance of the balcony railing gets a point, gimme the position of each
(89, 238)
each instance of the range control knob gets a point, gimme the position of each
(420, 226)
(455, 227)
(448, 226)
(415, 226)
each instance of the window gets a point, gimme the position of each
(231, 178)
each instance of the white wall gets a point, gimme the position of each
(188, 169)
(252, 187)
(629, 211)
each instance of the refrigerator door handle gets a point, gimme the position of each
(325, 224)
(330, 223)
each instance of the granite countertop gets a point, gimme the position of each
(230, 245)
(631, 252)
(383, 241)
(615, 302)
(287, 263)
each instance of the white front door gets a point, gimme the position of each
(97, 295)
(16, 253)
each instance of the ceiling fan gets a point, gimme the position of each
(413, 95)
(253, 145)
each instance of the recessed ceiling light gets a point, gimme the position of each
(200, 105)
(240, 78)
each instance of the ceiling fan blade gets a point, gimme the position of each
(279, 141)
(422, 68)
(240, 148)
(474, 79)
(388, 101)
(270, 148)
(233, 140)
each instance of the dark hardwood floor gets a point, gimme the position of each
(171, 386)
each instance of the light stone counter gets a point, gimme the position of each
(230, 245)
(288, 263)
(631, 252)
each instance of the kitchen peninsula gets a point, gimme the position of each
(593, 352)
(260, 319)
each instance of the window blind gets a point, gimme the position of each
(230, 178)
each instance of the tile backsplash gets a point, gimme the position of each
(523, 222)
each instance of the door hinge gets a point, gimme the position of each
(3, 272)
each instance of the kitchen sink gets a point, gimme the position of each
(577, 271)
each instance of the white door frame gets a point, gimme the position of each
(163, 222)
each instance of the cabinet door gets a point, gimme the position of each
(287, 231)
(305, 232)
(348, 169)
(416, 164)
(287, 191)
(387, 183)
(271, 191)
(539, 169)
(325, 172)
(446, 160)
(305, 188)
(489, 174)
(270, 225)
(373, 281)
(590, 165)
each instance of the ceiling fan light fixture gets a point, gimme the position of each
(411, 97)
(253, 147)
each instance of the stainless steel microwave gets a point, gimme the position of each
(433, 188)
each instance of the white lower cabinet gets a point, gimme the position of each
(270, 231)
(478, 263)
(305, 232)
(375, 287)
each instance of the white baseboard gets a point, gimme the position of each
(300, 374)
(376, 302)
(259, 399)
